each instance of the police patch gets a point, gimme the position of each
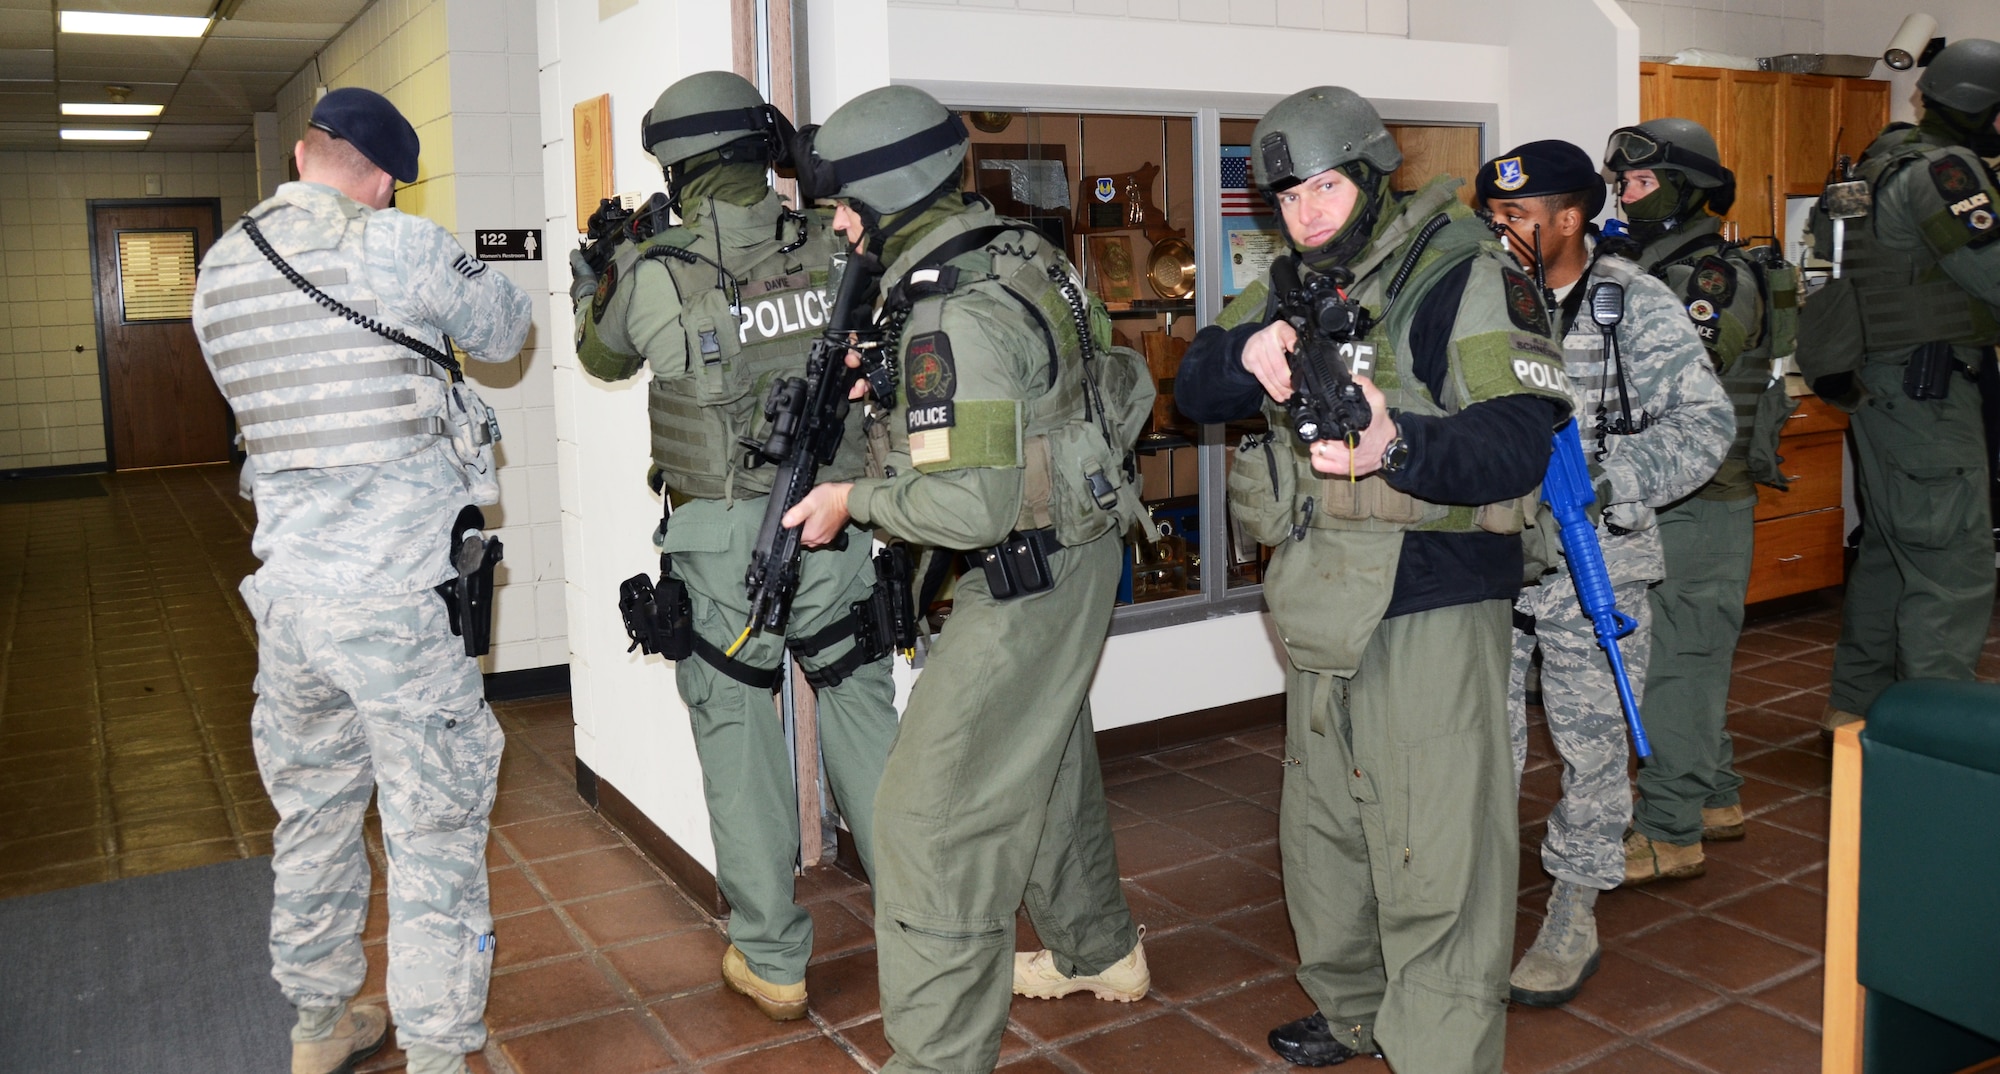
(1954, 180)
(1524, 306)
(1701, 309)
(1713, 279)
(607, 285)
(933, 376)
(1509, 174)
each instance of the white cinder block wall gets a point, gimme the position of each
(1345, 16)
(51, 394)
(1740, 27)
(464, 73)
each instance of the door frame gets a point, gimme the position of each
(90, 207)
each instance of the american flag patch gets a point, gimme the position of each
(469, 267)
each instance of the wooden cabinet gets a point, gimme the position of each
(1799, 532)
(1778, 132)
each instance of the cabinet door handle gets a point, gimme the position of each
(1795, 477)
(1799, 416)
(1790, 559)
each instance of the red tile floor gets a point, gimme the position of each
(123, 750)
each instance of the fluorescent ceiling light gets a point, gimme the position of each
(74, 109)
(98, 134)
(107, 22)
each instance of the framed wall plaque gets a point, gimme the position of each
(595, 179)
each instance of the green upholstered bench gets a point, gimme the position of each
(1929, 937)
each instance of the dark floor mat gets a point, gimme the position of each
(43, 489)
(168, 974)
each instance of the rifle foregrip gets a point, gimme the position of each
(1568, 491)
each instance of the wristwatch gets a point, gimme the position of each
(1395, 455)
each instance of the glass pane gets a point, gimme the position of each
(1118, 192)
(156, 275)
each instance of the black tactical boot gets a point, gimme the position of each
(1308, 1042)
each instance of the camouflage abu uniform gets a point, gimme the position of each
(1687, 425)
(359, 681)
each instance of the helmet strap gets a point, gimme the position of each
(1973, 130)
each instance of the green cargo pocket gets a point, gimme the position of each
(1328, 571)
(459, 772)
(713, 341)
(1263, 483)
(1930, 503)
(690, 534)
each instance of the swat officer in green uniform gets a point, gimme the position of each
(1914, 310)
(1008, 442)
(1669, 179)
(717, 306)
(1391, 592)
(1655, 425)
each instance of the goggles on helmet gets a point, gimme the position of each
(820, 178)
(1631, 148)
(761, 120)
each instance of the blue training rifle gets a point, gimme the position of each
(1567, 490)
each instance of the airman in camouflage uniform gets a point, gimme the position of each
(1390, 589)
(360, 683)
(1921, 285)
(1669, 181)
(1655, 425)
(717, 306)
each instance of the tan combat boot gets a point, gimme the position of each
(1647, 861)
(780, 1003)
(1126, 980)
(1723, 825)
(356, 1036)
(1565, 952)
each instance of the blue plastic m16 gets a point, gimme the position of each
(1568, 491)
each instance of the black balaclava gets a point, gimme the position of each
(1673, 204)
(1973, 130)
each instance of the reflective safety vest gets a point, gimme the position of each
(310, 389)
(742, 330)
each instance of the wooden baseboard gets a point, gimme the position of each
(1189, 727)
(691, 875)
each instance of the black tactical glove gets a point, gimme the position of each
(583, 281)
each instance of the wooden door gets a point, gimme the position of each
(1652, 92)
(1811, 104)
(1749, 146)
(1430, 151)
(161, 403)
(1864, 111)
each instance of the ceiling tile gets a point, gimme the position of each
(317, 32)
(142, 92)
(27, 63)
(256, 54)
(28, 5)
(122, 74)
(27, 22)
(341, 11)
(13, 39)
(100, 49)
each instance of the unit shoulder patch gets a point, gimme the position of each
(931, 380)
(1953, 178)
(1524, 306)
(607, 286)
(1966, 199)
(1713, 279)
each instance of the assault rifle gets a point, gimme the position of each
(613, 223)
(1326, 403)
(808, 415)
(1567, 490)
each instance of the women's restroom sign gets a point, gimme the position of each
(515, 244)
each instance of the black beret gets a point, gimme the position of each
(1541, 168)
(372, 125)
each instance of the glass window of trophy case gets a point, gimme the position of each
(1252, 235)
(1118, 192)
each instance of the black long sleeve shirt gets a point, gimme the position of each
(1486, 453)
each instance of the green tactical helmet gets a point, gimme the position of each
(1317, 130)
(706, 111)
(888, 149)
(1965, 76)
(1681, 146)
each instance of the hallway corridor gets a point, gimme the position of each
(125, 667)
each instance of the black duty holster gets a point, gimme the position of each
(468, 598)
(658, 618)
(1928, 374)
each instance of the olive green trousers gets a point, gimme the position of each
(1697, 617)
(993, 795)
(1401, 847)
(1920, 594)
(746, 768)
